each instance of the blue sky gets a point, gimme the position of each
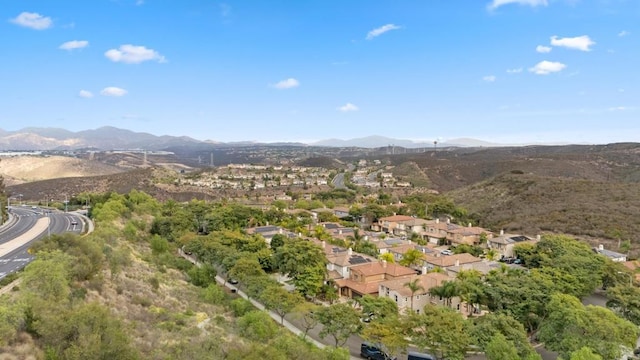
(509, 71)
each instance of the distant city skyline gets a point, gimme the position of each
(502, 71)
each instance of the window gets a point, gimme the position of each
(396, 296)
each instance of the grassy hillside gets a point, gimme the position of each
(450, 169)
(534, 204)
(21, 169)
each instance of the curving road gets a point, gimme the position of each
(26, 226)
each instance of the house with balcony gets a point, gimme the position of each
(389, 223)
(398, 291)
(365, 279)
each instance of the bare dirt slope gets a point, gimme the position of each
(23, 169)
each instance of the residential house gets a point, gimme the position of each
(431, 262)
(483, 267)
(341, 212)
(385, 245)
(364, 279)
(505, 243)
(268, 232)
(614, 256)
(413, 225)
(398, 291)
(390, 223)
(469, 235)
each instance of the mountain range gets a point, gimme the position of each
(112, 138)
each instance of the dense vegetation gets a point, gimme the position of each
(123, 292)
(533, 204)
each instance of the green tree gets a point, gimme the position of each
(277, 241)
(486, 327)
(499, 348)
(414, 286)
(388, 332)
(245, 268)
(388, 257)
(380, 307)
(280, 301)
(585, 353)
(305, 312)
(440, 330)
(447, 291)
(203, 275)
(411, 258)
(304, 263)
(570, 326)
(257, 326)
(625, 301)
(340, 321)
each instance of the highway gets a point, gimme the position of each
(26, 226)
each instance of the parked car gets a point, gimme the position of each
(412, 355)
(446, 252)
(373, 352)
(233, 281)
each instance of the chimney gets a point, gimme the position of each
(384, 264)
(424, 270)
(437, 220)
(501, 232)
(600, 247)
(349, 252)
(457, 262)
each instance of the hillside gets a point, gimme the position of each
(21, 169)
(532, 204)
(450, 169)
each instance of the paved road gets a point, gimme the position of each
(338, 181)
(29, 225)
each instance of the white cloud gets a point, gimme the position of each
(489, 78)
(33, 21)
(543, 49)
(348, 107)
(533, 3)
(131, 54)
(113, 91)
(582, 43)
(547, 67)
(381, 30)
(620, 108)
(289, 83)
(514, 71)
(85, 94)
(74, 44)
(623, 33)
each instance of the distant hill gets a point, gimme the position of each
(108, 138)
(533, 204)
(377, 141)
(104, 138)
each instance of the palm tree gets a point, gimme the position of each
(492, 254)
(414, 286)
(411, 257)
(446, 291)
